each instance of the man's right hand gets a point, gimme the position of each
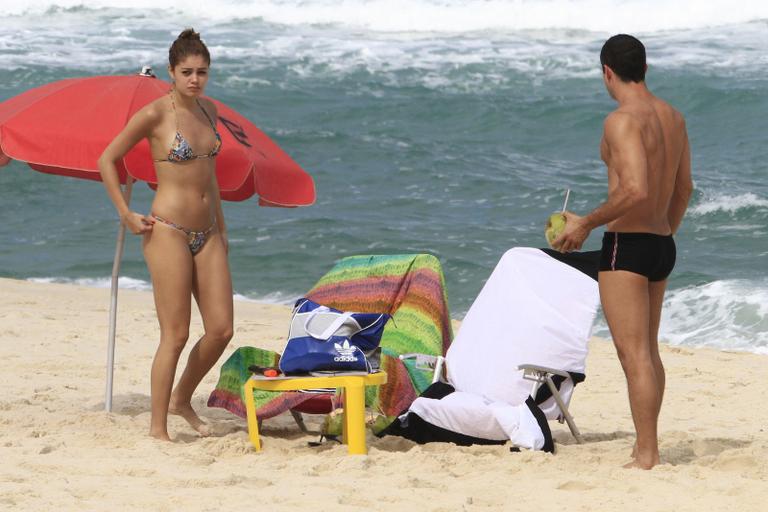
(137, 223)
(574, 234)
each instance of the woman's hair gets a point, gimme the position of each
(188, 43)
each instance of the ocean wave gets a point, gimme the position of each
(729, 204)
(252, 49)
(727, 314)
(445, 15)
(281, 298)
(462, 64)
(125, 283)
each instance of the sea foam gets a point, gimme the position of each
(125, 283)
(726, 314)
(728, 203)
(446, 15)
(469, 46)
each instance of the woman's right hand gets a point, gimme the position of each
(137, 223)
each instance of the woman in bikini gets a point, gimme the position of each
(185, 242)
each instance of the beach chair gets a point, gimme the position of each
(531, 322)
(410, 287)
(541, 376)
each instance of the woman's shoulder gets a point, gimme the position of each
(154, 111)
(209, 107)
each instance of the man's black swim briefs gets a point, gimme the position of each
(649, 255)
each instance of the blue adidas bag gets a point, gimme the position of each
(326, 339)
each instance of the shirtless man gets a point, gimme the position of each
(645, 147)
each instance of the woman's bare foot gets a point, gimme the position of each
(188, 413)
(160, 436)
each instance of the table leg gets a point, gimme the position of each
(253, 422)
(344, 418)
(354, 419)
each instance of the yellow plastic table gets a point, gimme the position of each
(354, 402)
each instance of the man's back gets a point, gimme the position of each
(663, 138)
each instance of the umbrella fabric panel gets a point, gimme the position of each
(276, 176)
(74, 173)
(12, 106)
(63, 128)
(69, 127)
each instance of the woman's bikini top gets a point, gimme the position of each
(180, 150)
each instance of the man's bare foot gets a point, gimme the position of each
(188, 413)
(638, 463)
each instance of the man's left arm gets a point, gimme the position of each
(628, 161)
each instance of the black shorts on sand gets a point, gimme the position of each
(647, 254)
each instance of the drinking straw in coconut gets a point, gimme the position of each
(567, 195)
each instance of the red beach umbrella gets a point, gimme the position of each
(63, 127)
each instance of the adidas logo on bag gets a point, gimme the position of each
(346, 353)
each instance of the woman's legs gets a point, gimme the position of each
(212, 288)
(171, 267)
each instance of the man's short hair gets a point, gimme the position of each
(625, 55)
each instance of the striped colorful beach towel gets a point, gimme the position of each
(409, 287)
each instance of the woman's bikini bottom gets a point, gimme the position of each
(195, 239)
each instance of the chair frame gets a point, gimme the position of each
(540, 375)
(543, 375)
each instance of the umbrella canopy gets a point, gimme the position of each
(63, 127)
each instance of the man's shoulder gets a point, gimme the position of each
(671, 112)
(621, 119)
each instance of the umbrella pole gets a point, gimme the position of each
(113, 300)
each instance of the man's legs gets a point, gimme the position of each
(626, 304)
(656, 299)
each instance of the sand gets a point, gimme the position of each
(59, 450)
